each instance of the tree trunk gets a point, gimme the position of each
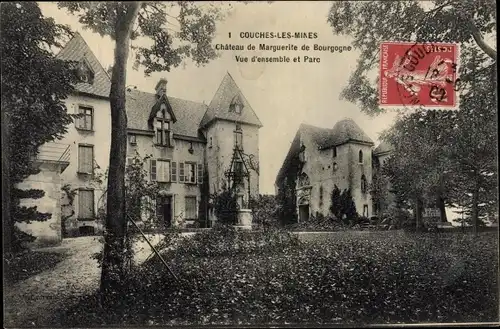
(475, 208)
(6, 191)
(442, 210)
(113, 264)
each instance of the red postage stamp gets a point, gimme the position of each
(419, 75)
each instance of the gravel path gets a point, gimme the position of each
(30, 302)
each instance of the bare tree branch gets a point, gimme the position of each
(476, 34)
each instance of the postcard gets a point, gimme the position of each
(250, 163)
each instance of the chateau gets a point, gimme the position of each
(191, 145)
(321, 158)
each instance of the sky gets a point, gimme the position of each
(283, 95)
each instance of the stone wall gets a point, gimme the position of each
(48, 180)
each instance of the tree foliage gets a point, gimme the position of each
(265, 211)
(464, 22)
(446, 154)
(380, 190)
(34, 85)
(449, 155)
(175, 31)
(342, 205)
(226, 206)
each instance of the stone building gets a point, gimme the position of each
(321, 158)
(188, 142)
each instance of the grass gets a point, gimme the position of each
(348, 279)
(21, 266)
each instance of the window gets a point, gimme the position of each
(181, 172)
(173, 177)
(190, 205)
(200, 173)
(321, 195)
(210, 143)
(133, 139)
(360, 156)
(238, 137)
(86, 204)
(334, 151)
(237, 108)
(190, 169)
(86, 121)
(236, 105)
(363, 184)
(86, 159)
(160, 170)
(162, 128)
(84, 73)
(304, 180)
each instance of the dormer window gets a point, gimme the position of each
(84, 73)
(236, 105)
(133, 140)
(302, 153)
(163, 133)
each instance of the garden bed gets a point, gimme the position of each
(348, 279)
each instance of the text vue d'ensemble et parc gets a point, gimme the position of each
(263, 44)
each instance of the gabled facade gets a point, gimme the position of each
(320, 158)
(190, 144)
(193, 144)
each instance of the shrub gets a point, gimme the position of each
(397, 218)
(224, 240)
(319, 223)
(226, 207)
(383, 277)
(265, 211)
(343, 206)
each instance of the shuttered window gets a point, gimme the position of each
(181, 172)
(86, 159)
(190, 207)
(162, 170)
(86, 204)
(190, 173)
(200, 173)
(152, 169)
(174, 172)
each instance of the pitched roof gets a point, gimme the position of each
(347, 130)
(219, 106)
(344, 131)
(188, 113)
(76, 50)
(292, 153)
(383, 147)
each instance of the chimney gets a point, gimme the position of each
(161, 87)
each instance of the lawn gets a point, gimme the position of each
(273, 278)
(21, 266)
